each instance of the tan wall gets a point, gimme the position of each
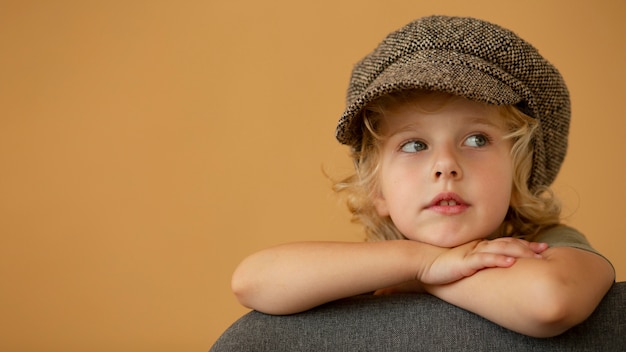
(146, 147)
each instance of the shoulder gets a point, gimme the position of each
(565, 236)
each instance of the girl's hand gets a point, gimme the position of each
(453, 264)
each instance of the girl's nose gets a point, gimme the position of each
(451, 174)
(446, 166)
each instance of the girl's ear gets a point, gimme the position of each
(381, 204)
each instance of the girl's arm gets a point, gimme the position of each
(537, 297)
(295, 277)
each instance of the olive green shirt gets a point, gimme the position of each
(565, 236)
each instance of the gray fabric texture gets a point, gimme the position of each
(415, 322)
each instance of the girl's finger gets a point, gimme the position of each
(515, 248)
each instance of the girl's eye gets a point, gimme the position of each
(413, 147)
(477, 140)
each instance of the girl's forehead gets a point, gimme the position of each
(424, 109)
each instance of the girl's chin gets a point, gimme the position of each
(447, 240)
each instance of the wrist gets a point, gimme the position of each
(419, 258)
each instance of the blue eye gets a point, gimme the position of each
(477, 140)
(413, 147)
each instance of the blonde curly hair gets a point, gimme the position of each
(529, 212)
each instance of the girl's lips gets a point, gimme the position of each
(448, 203)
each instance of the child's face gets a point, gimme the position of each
(446, 174)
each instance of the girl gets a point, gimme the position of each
(457, 128)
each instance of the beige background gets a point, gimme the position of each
(146, 147)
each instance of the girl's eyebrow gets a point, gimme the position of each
(488, 122)
(406, 128)
(477, 120)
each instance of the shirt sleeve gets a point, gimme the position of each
(565, 236)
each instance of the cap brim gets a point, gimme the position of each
(466, 76)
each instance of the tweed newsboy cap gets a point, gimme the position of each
(474, 59)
